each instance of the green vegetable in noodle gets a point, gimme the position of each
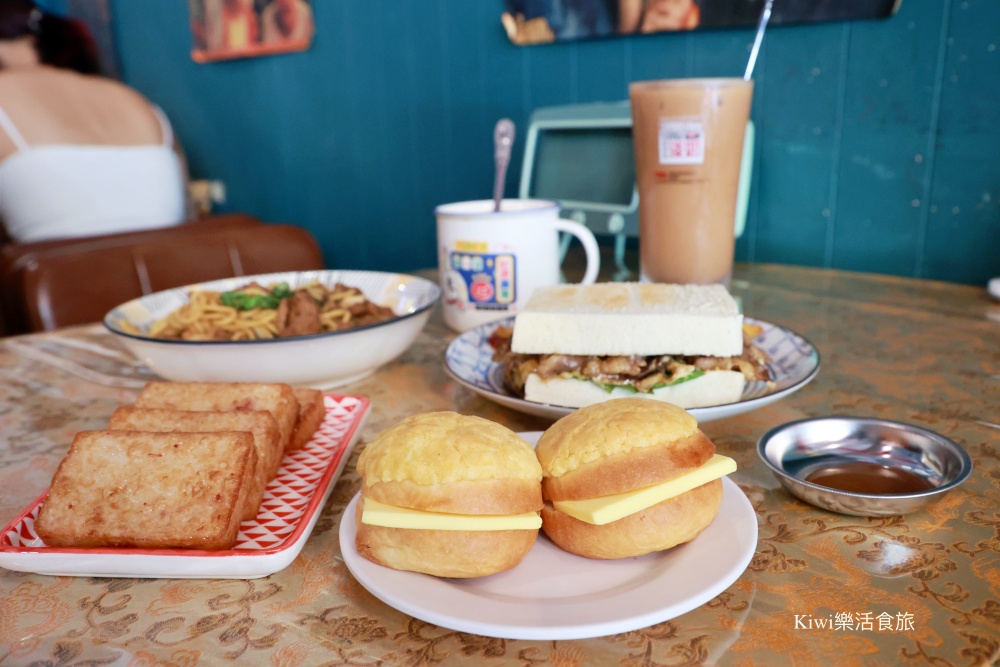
(243, 301)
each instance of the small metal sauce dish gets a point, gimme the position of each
(904, 466)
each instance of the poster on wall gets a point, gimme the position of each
(228, 29)
(544, 21)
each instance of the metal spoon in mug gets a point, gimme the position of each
(503, 141)
(765, 16)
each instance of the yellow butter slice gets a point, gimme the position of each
(390, 516)
(606, 509)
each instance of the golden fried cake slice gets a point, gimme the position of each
(276, 398)
(259, 423)
(311, 413)
(149, 490)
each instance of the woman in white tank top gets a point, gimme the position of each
(80, 154)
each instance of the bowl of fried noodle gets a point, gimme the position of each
(315, 328)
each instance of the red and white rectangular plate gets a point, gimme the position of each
(265, 545)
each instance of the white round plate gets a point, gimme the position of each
(794, 361)
(553, 594)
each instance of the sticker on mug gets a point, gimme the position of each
(485, 280)
(681, 141)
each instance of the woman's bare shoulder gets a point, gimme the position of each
(14, 81)
(64, 104)
(48, 82)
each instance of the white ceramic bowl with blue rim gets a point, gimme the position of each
(322, 360)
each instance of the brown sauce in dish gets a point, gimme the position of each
(861, 477)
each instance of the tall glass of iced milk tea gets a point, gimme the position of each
(688, 136)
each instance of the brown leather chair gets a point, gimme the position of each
(52, 284)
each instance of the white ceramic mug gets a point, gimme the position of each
(490, 262)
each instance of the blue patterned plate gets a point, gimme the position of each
(794, 361)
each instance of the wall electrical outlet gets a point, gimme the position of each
(205, 194)
(218, 192)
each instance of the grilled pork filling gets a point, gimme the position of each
(641, 373)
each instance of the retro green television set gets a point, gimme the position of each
(581, 156)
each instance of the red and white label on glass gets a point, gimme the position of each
(681, 142)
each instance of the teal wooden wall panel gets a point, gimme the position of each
(543, 89)
(722, 53)
(470, 140)
(963, 235)
(411, 104)
(796, 115)
(964, 213)
(505, 96)
(380, 79)
(657, 57)
(877, 142)
(425, 133)
(334, 147)
(887, 132)
(326, 149)
(601, 71)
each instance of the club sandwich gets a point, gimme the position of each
(577, 345)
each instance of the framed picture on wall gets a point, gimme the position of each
(228, 29)
(544, 21)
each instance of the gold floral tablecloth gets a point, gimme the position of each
(821, 589)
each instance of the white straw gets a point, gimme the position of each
(765, 15)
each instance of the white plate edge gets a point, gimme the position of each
(349, 553)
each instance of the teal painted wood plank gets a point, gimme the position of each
(800, 83)
(322, 158)
(963, 237)
(410, 144)
(797, 116)
(971, 73)
(504, 70)
(330, 134)
(601, 71)
(356, 82)
(550, 75)
(723, 53)
(505, 92)
(963, 227)
(472, 123)
(429, 105)
(791, 218)
(878, 217)
(387, 133)
(888, 123)
(663, 56)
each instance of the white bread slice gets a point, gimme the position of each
(630, 318)
(712, 388)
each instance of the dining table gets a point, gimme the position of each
(819, 588)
